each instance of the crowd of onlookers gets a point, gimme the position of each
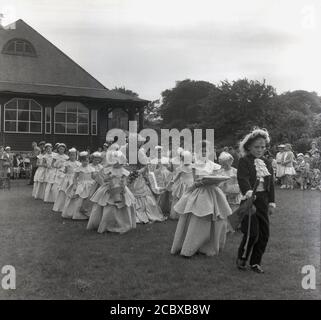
(18, 164)
(291, 169)
(298, 170)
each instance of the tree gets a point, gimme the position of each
(126, 91)
(292, 116)
(184, 102)
(234, 108)
(316, 125)
(302, 101)
(152, 115)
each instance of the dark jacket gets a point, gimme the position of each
(246, 176)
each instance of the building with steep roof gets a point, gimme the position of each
(45, 95)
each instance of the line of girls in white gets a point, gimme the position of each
(114, 196)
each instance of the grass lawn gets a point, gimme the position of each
(59, 259)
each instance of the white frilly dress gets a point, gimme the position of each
(59, 165)
(97, 168)
(113, 207)
(50, 178)
(203, 213)
(66, 182)
(280, 168)
(164, 180)
(231, 190)
(289, 167)
(146, 206)
(39, 184)
(79, 191)
(231, 187)
(182, 180)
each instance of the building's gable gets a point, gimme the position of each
(50, 65)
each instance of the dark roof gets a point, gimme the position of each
(68, 91)
(51, 72)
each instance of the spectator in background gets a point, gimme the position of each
(10, 154)
(302, 169)
(4, 164)
(280, 168)
(313, 149)
(24, 167)
(288, 162)
(316, 160)
(315, 179)
(15, 165)
(27, 165)
(33, 161)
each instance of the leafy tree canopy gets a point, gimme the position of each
(126, 91)
(233, 108)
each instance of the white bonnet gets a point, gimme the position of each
(224, 156)
(255, 133)
(83, 154)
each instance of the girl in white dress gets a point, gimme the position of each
(113, 208)
(50, 174)
(163, 179)
(280, 168)
(203, 212)
(67, 181)
(230, 187)
(97, 166)
(80, 190)
(60, 158)
(110, 154)
(147, 208)
(176, 160)
(106, 147)
(182, 180)
(289, 162)
(39, 184)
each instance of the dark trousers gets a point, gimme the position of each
(259, 231)
(33, 171)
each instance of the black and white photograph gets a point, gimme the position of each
(160, 151)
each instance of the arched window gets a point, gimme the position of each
(19, 47)
(71, 118)
(22, 115)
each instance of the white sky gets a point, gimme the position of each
(147, 45)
